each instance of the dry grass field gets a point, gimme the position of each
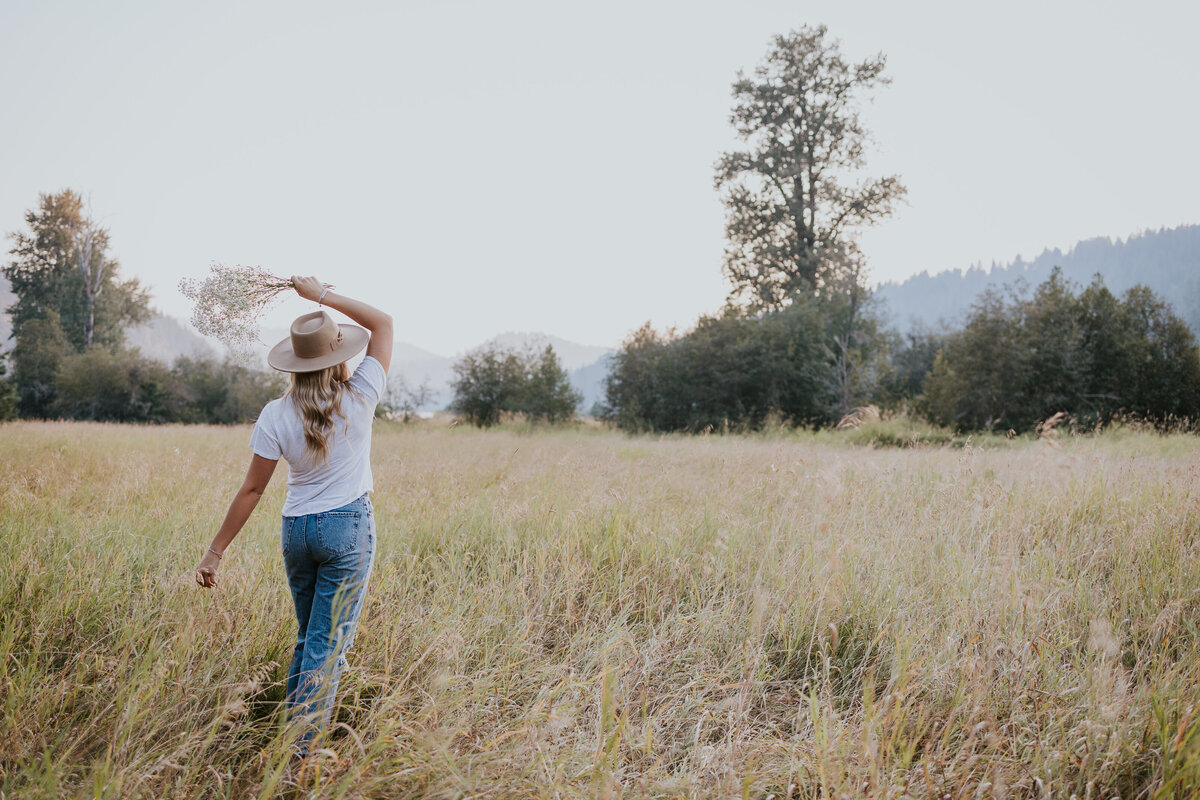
(577, 613)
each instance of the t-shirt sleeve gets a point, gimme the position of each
(263, 440)
(370, 381)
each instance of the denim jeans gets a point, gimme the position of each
(328, 559)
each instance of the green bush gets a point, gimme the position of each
(222, 393)
(103, 384)
(36, 358)
(114, 386)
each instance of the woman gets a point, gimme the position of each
(322, 427)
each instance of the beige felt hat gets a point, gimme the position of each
(317, 342)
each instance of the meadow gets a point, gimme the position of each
(579, 613)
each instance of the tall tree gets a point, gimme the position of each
(792, 202)
(69, 295)
(61, 263)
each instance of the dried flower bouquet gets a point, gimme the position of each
(230, 301)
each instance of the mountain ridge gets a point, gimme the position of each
(1166, 260)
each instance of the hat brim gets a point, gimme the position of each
(354, 339)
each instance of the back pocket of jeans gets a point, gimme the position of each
(285, 535)
(337, 531)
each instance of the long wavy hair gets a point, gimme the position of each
(318, 397)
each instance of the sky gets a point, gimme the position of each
(482, 167)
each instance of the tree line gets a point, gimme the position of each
(1019, 359)
(799, 339)
(69, 357)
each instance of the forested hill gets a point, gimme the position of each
(1167, 261)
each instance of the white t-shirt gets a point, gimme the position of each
(314, 485)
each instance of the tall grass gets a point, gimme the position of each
(580, 613)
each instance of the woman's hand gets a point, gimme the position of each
(309, 288)
(206, 570)
(247, 497)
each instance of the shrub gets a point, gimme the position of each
(222, 393)
(102, 384)
(113, 385)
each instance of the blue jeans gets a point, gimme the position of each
(328, 559)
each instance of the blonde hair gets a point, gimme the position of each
(318, 396)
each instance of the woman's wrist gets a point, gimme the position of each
(215, 553)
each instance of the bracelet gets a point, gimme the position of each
(322, 297)
(215, 553)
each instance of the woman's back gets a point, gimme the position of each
(316, 484)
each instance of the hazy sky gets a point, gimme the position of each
(478, 167)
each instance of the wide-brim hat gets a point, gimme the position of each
(317, 342)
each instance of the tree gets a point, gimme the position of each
(912, 357)
(792, 214)
(113, 386)
(641, 383)
(493, 380)
(402, 401)
(735, 369)
(1164, 356)
(69, 296)
(38, 353)
(90, 243)
(547, 394)
(1106, 334)
(61, 263)
(1058, 363)
(207, 391)
(487, 382)
(1021, 359)
(980, 377)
